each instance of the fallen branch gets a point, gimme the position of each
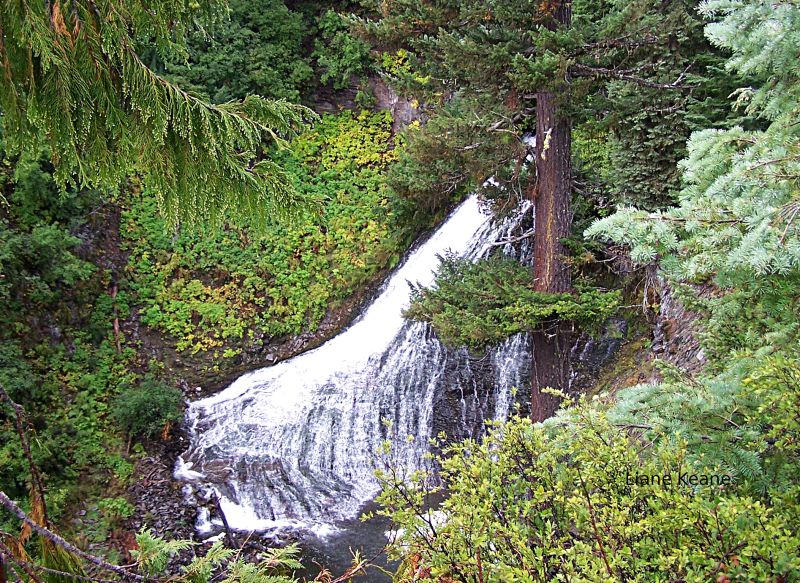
(6, 552)
(25, 565)
(514, 240)
(57, 540)
(228, 531)
(603, 73)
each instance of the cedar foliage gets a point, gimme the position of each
(73, 84)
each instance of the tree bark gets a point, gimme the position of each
(553, 219)
(550, 369)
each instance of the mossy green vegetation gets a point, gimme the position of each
(215, 289)
(59, 358)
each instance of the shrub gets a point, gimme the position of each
(483, 303)
(339, 53)
(581, 499)
(143, 411)
(115, 510)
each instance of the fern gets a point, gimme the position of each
(278, 561)
(201, 568)
(153, 553)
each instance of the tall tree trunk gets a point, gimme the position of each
(552, 196)
(550, 368)
(553, 222)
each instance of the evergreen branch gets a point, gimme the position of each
(683, 220)
(24, 565)
(621, 43)
(86, 96)
(773, 161)
(788, 213)
(30, 569)
(604, 73)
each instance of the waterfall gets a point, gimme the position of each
(295, 444)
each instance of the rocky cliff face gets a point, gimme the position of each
(676, 330)
(661, 329)
(404, 110)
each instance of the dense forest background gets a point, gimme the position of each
(681, 156)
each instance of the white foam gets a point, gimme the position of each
(242, 518)
(184, 471)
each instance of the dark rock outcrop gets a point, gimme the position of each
(677, 328)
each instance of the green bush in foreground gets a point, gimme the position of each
(589, 496)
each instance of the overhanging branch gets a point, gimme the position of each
(578, 70)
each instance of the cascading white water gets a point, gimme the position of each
(296, 444)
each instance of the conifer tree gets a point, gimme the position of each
(73, 85)
(735, 227)
(259, 50)
(518, 65)
(736, 221)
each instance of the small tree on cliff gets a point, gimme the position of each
(497, 66)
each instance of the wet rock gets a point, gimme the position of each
(404, 109)
(159, 499)
(590, 355)
(217, 471)
(55, 334)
